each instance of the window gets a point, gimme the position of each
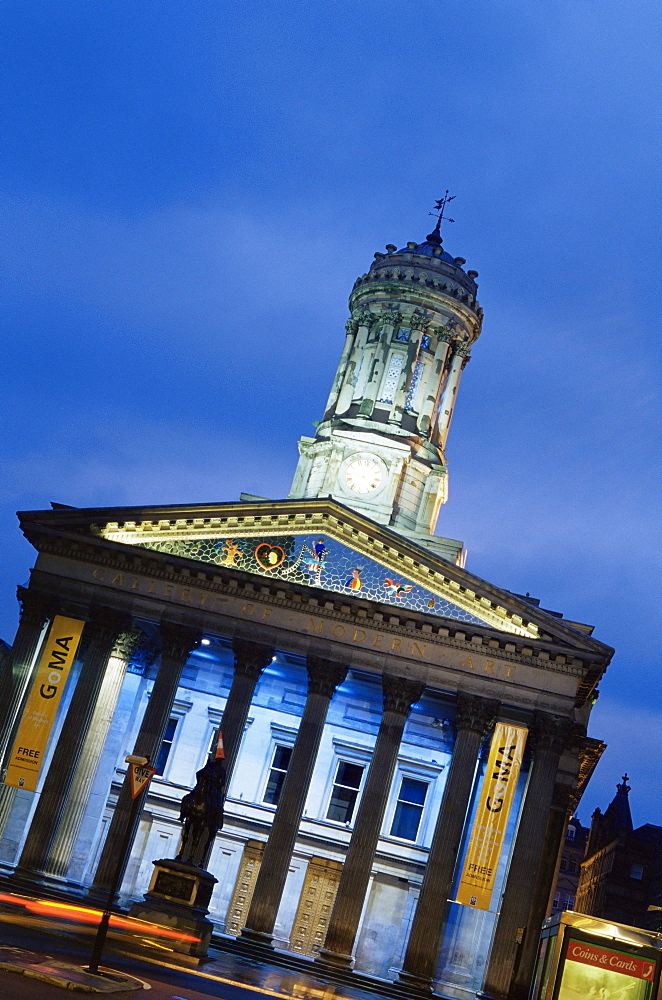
(425, 341)
(409, 809)
(392, 378)
(637, 871)
(279, 767)
(557, 900)
(570, 835)
(345, 792)
(569, 902)
(402, 335)
(166, 746)
(572, 865)
(564, 864)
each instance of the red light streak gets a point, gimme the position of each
(85, 915)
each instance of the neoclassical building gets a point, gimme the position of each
(404, 740)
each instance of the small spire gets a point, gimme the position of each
(440, 205)
(624, 788)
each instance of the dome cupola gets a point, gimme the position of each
(380, 445)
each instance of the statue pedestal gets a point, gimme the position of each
(178, 898)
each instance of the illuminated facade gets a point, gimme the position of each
(361, 674)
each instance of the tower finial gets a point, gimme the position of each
(440, 205)
(624, 788)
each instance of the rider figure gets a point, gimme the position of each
(202, 814)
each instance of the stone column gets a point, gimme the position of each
(36, 609)
(554, 837)
(323, 679)
(549, 736)
(178, 642)
(99, 636)
(68, 829)
(250, 659)
(351, 326)
(447, 404)
(432, 387)
(347, 391)
(399, 695)
(472, 719)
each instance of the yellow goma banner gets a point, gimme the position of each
(44, 697)
(489, 827)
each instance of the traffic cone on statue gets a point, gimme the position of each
(219, 753)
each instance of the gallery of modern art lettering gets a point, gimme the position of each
(404, 741)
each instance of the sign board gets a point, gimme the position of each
(140, 776)
(38, 716)
(489, 826)
(593, 970)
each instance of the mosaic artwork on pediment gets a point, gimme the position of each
(318, 561)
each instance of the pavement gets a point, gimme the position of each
(38, 963)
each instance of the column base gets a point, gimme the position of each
(422, 984)
(31, 879)
(334, 960)
(261, 938)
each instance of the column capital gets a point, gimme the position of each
(250, 658)
(35, 607)
(366, 318)
(324, 676)
(391, 318)
(351, 326)
(400, 693)
(145, 653)
(127, 643)
(563, 798)
(551, 732)
(106, 624)
(474, 713)
(178, 641)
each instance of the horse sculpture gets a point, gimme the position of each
(201, 813)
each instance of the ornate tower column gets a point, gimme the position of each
(472, 719)
(459, 361)
(550, 735)
(399, 695)
(380, 445)
(179, 641)
(323, 679)
(100, 636)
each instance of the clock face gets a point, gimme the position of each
(363, 475)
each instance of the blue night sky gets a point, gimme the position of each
(191, 188)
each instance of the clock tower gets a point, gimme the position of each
(380, 445)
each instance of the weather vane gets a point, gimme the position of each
(439, 208)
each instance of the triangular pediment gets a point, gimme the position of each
(321, 544)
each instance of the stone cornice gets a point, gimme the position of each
(107, 560)
(498, 608)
